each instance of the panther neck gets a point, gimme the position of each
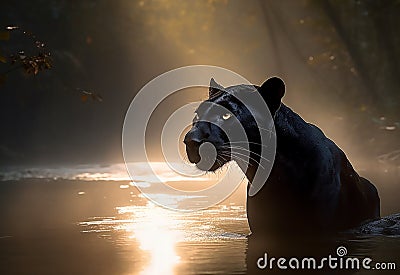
(285, 131)
(249, 170)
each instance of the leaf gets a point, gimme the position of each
(3, 59)
(84, 97)
(3, 78)
(97, 97)
(4, 35)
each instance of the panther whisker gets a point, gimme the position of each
(219, 162)
(223, 160)
(238, 158)
(243, 157)
(247, 150)
(265, 129)
(244, 142)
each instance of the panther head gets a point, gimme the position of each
(207, 142)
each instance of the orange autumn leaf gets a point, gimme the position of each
(3, 59)
(4, 35)
(3, 78)
(84, 97)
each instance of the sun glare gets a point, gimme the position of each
(157, 232)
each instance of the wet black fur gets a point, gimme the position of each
(312, 186)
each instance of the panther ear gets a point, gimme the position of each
(272, 90)
(215, 89)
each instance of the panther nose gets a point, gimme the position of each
(192, 148)
(192, 141)
(195, 137)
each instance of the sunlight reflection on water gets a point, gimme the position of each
(157, 234)
(153, 240)
(162, 236)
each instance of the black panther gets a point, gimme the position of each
(312, 186)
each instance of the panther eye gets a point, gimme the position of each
(227, 116)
